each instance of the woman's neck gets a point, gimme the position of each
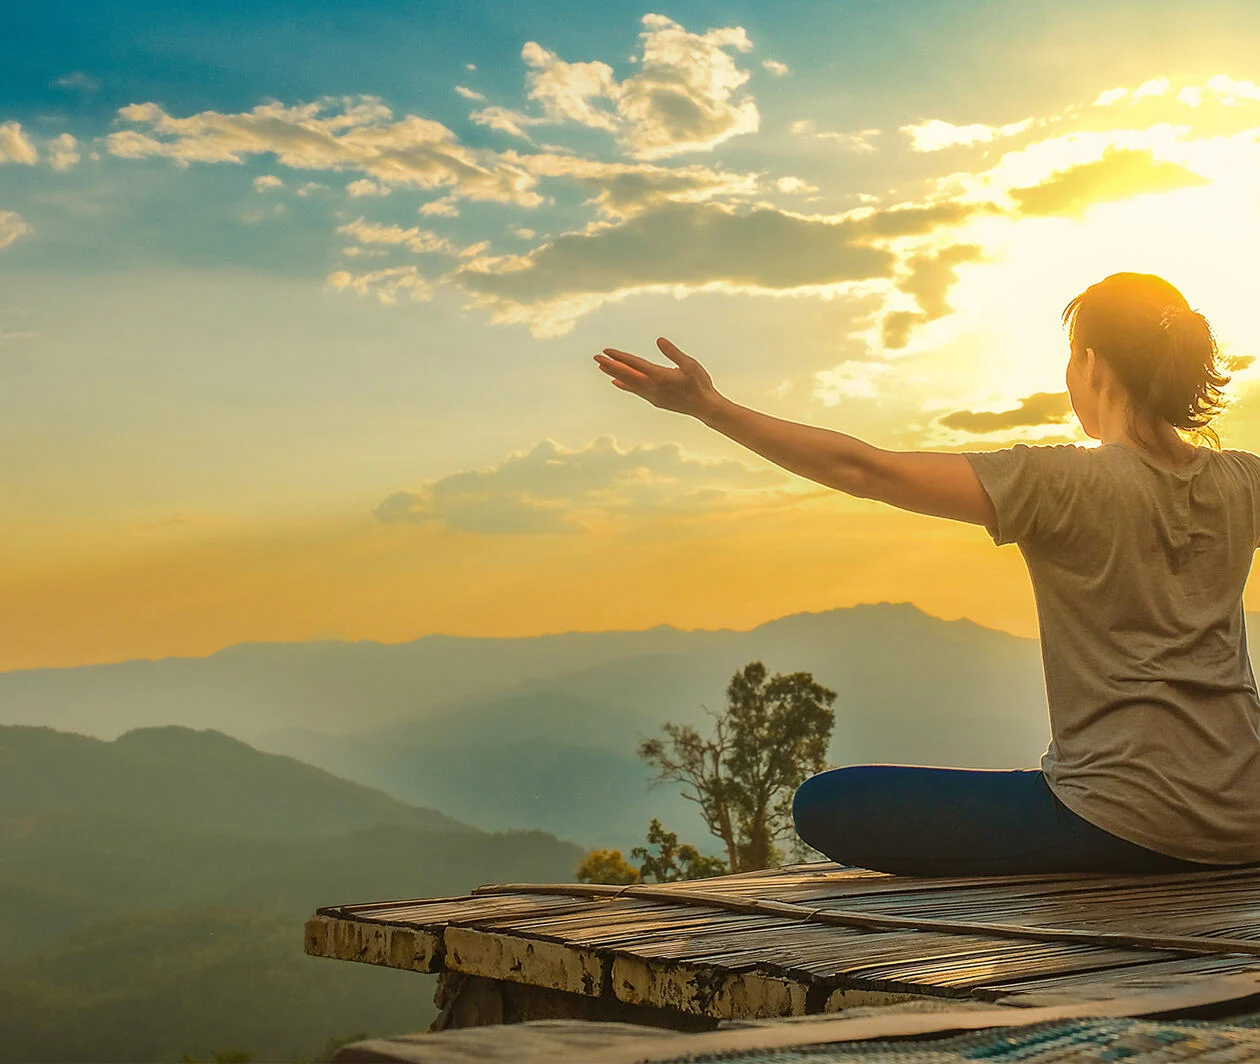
(1118, 423)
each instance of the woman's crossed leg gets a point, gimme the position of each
(922, 821)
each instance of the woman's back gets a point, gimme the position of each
(1138, 573)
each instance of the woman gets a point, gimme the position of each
(1138, 550)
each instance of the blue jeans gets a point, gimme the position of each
(919, 821)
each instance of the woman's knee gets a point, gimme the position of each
(827, 803)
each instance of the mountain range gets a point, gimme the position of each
(153, 891)
(541, 732)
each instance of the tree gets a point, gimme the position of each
(769, 738)
(606, 866)
(673, 862)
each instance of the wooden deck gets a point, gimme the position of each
(806, 939)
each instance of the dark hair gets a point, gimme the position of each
(1163, 352)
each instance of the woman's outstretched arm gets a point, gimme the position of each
(926, 482)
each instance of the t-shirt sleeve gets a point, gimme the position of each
(1030, 487)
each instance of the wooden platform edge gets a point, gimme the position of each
(409, 948)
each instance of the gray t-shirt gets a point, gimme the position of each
(1138, 575)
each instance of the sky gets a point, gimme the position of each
(298, 301)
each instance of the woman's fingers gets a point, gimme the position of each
(671, 350)
(621, 371)
(641, 364)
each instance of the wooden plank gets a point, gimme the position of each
(705, 990)
(411, 949)
(555, 966)
(880, 921)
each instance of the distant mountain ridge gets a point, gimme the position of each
(252, 689)
(541, 732)
(153, 891)
(208, 782)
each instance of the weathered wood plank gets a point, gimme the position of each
(552, 965)
(705, 989)
(411, 949)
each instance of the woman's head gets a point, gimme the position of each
(1137, 332)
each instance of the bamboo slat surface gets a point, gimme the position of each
(783, 941)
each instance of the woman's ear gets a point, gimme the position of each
(1091, 367)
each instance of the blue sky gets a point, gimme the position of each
(332, 275)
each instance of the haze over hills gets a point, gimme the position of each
(541, 731)
(153, 891)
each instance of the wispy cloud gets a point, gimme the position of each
(1118, 174)
(552, 489)
(388, 285)
(13, 227)
(860, 142)
(936, 135)
(78, 81)
(421, 241)
(332, 134)
(623, 189)
(1043, 408)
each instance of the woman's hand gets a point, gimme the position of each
(686, 390)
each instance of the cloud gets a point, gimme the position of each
(929, 280)
(267, 181)
(1044, 408)
(469, 94)
(346, 134)
(776, 68)
(63, 152)
(507, 121)
(851, 379)
(1118, 174)
(78, 81)
(422, 241)
(551, 489)
(1154, 87)
(444, 208)
(794, 186)
(683, 247)
(366, 187)
(15, 146)
(859, 142)
(934, 134)
(625, 189)
(570, 92)
(1229, 92)
(387, 285)
(688, 94)
(12, 227)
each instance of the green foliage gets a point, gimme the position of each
(673, 862)
(770, 737)
(606, 866)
